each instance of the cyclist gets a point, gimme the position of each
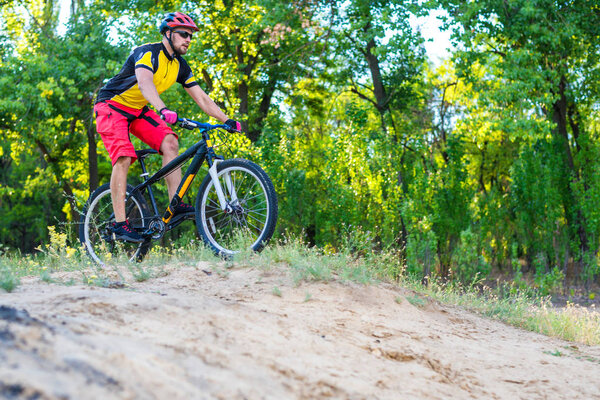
(122, 108)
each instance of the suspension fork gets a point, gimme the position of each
(225, 205)
(213, 160)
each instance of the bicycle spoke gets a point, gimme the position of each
(254, 226)
(256, 212)
(253, 197)
(250, 202)
(260, 221)
(96, 235)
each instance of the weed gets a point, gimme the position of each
(221, 270)
(276, 291)
(357, 273)
(555, 353)
(193, 252)
(416, 301)
(45, 276)
(8, 280)
(140, 273)
(58, 252)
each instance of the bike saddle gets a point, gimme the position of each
(145, 152)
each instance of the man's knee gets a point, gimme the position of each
(122, 162)
(170, 145)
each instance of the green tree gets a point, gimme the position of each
(48, 82)
(251, 50)
(542, 61)
(379, 55)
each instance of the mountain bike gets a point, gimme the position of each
(235, 208)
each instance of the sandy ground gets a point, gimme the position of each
(252, 334)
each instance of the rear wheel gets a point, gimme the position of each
(251, 215)
(96, 220)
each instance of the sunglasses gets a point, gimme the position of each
(184, 35)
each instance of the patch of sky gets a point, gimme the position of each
(437, 42)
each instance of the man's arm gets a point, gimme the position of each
(145, 80)
(206, 103)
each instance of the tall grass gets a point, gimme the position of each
(522, 309)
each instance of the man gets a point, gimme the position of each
(122, 108)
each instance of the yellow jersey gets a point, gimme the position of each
(123, 88)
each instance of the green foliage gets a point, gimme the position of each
(8, 280)
(470, 264)
(420, 253)
(491, 161)
(276, 291)
(416, 301)
(549, 282)
(540, 64)
(536, 202)
(47, 86)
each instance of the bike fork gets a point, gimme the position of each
(225, 205)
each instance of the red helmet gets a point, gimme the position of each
(177, 19)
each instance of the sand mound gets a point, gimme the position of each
(251, 334)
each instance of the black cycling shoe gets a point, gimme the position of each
(124, 231)
(184, 209)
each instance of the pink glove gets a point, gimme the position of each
(234, 126)
(169, 116)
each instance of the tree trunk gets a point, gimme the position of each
(53, 165)
(378, 88)
(255, 130)
(243, 93)
(243, 110)
(575, 218)
(72, 202)
(92, 158)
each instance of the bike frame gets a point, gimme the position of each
(199, 152)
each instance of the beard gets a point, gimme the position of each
(182, 49)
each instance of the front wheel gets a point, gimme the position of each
(251, 213)
(96, 220)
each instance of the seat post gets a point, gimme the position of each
(144, 173)
(141, 158)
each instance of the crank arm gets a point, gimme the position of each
(178, 219)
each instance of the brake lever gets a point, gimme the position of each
(186, 124)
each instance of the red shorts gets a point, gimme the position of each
(115, 121)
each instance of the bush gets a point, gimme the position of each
(469, 263)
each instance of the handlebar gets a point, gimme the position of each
(202, 126)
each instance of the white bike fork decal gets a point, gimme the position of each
(219, 189)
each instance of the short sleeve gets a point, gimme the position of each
(186, 76)
(144, 60)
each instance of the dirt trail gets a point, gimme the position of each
(195, 335)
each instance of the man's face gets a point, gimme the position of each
(181, 44)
